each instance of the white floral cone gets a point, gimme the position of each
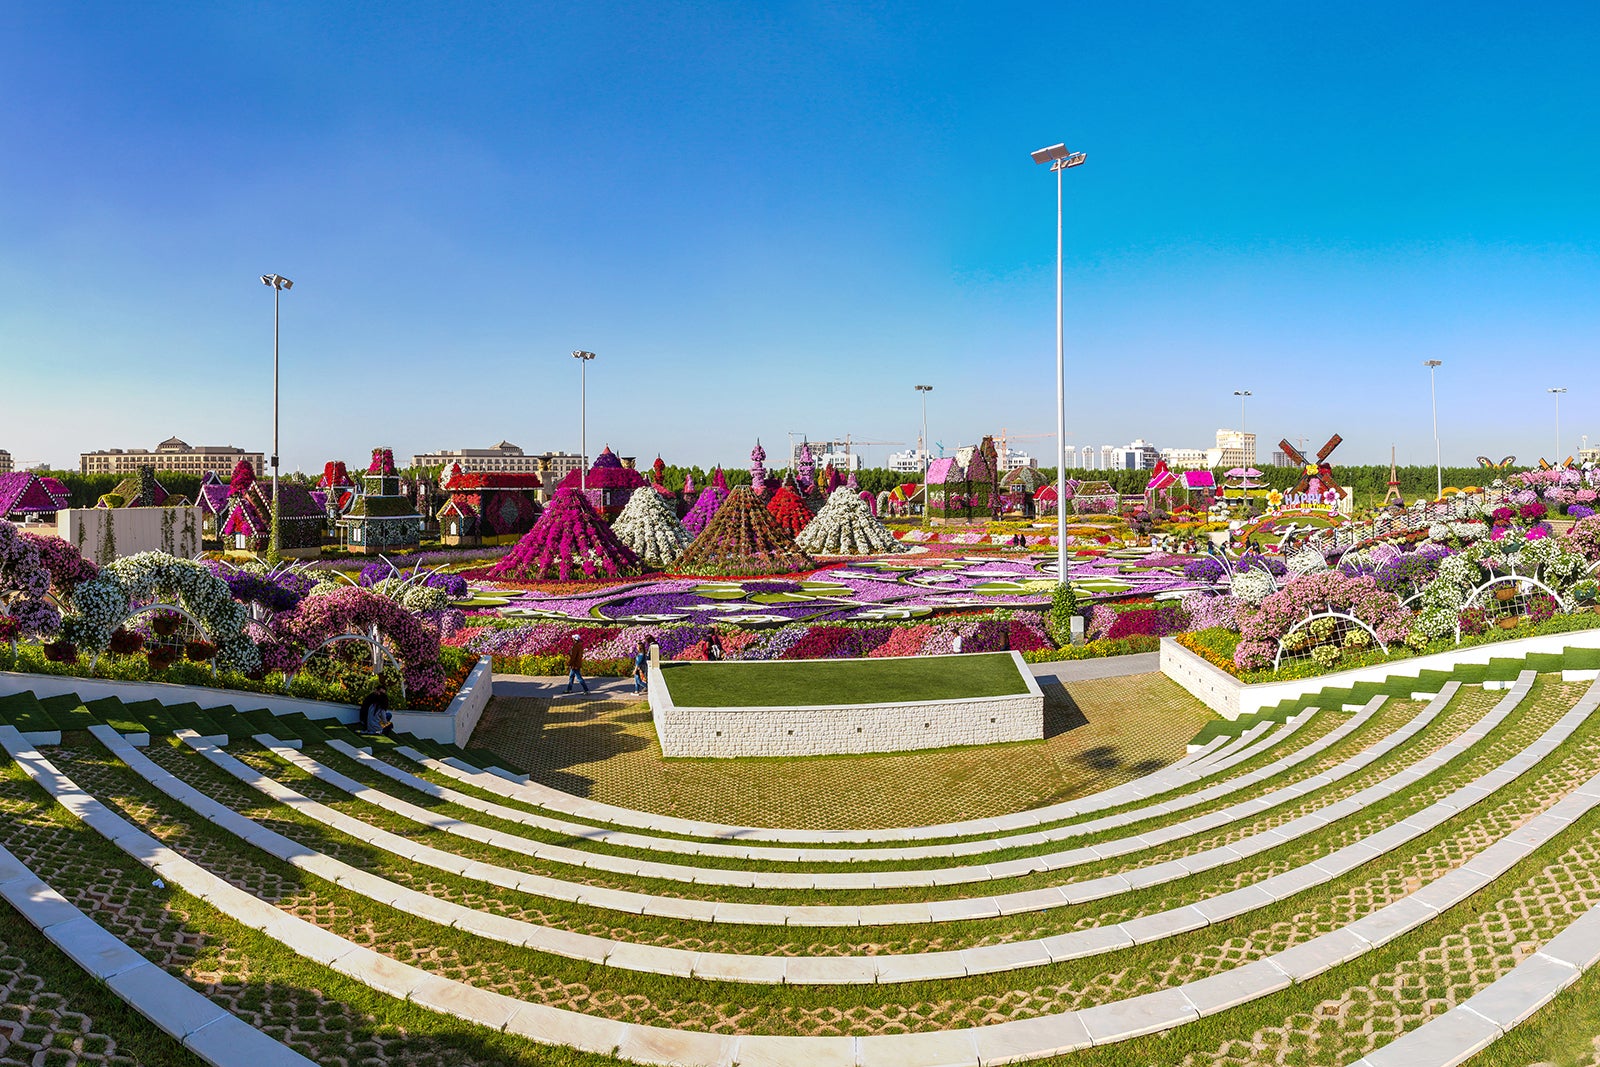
(846, 526)
(649, 527)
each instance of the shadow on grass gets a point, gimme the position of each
(1061, 712)
(544, 740)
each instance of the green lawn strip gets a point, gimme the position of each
(23, 711)
(1320, 725)
(800, 683)
(24, 949)
(190, 716)
(321, 1013)
(153, 714)
(302, 726)
(960, 1001)
(1562, 1032)
(406, 827)
(262, 721)
(68, 712)
(1364, 980)
(115, 714)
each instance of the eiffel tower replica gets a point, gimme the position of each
(1393, 495)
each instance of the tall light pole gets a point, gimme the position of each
(1438, 457)
(1557, 394)
(1243, 395)
(1060, 160)
(583, 359)
(922, 445)
(279, 284)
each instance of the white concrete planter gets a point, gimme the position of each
(836, 729)
(455, 724)
(1231, 698)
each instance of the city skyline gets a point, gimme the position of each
(1303, 204)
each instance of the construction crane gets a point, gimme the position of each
(1007, 435)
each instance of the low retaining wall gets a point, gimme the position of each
(844, 729)
(455, 724)
(49, 685)
(1231, 698)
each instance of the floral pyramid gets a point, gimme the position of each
(650, 527)
(788, 509)
(742, 538)
(706, 506)
(846, 526)
(570, 540)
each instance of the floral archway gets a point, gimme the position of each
(101, 604)
(25, 608)
(323, 616)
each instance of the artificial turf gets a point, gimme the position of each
(808, 683)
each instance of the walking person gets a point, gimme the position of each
(575, 664)
(641, 658)
(713, 646)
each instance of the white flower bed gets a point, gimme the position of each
(846, 526)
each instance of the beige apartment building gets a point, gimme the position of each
(505, 456)
(5, 462)
(170, 455)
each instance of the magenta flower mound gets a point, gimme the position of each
(742, 538)
(570, 540)
(705, 508)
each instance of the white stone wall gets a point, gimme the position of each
(455, 724)
(175, 531)
(847, 728)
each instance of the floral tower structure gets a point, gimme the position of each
(383, 518)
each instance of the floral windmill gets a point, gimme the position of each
(1315, 477)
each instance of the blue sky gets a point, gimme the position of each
(779, 217)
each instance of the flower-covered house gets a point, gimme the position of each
(212, 500)
(26, 497)
(382, 518)
(141, 490)
(945, 490)
(608, 484)
(247, 525)
(487, 507)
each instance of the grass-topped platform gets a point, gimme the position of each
(829, 707)
(826, 683)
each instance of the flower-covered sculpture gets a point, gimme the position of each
(758, 468)
(348, 610)
(569, 540)
(805, 469)
(788, 509)
(24, 587)
(1261, 628)
(742, 538)
(846, 526)
(651, 528)
(706, 506)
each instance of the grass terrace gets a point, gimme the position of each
(806, 683)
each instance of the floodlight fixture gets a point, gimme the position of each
(1051, 154)
(277, 281)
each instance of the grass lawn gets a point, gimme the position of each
(850, 681)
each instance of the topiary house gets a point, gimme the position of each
(608, 484)
(570, 540)
(382, 519)
(488, 507)
(742, 538)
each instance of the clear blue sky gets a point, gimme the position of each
(779, 217)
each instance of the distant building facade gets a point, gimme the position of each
(5, 462)
(504, 457)
(908, 462)
(1235, 448)
(170, 455)
(1186, 459)
(1141, 455)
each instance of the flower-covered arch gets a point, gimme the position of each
(148, 580)
(357, 612)
(1260, 630)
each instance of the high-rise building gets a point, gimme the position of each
(504, 456)
(824, 448)
(1235, 448)
(1185, 459)
(1141, 455)
(170, 455)
(908, 462)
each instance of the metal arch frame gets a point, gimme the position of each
(367, 639)
(1501, 579)
(161, 606)
(1277, 660)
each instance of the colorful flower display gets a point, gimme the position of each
(24, 587)
(651, 528)
(570, 539)
(846, 526)
(742, 538)
(788, 509)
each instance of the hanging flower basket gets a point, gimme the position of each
(1505, 592)
(161, 658)
(1509, 622)
(165, 625)
(61, 652)
(8, 628)
(200, 651)
(124, 643)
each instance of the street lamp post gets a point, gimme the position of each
(1245, 460)
(1060, 160)
(279, 284)
(583, 359)
(1438, 457)
(922, 445)
(1557, 394)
